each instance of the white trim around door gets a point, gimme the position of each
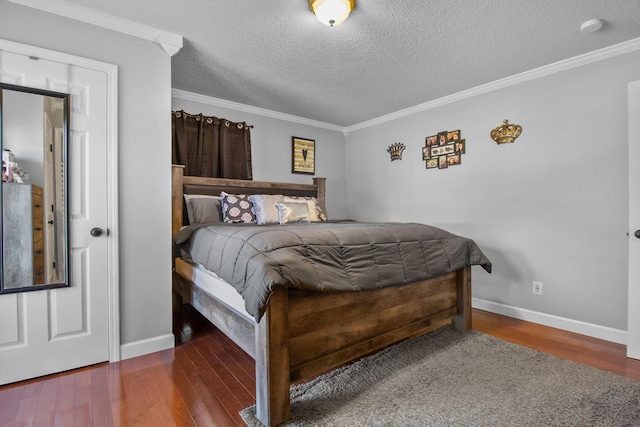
(633, 322)
(111, 72)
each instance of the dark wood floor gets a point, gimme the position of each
(205, 380)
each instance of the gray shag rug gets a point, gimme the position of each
(448, 378)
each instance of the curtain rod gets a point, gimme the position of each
(177, 113)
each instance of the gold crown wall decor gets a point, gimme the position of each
(396, 150)
(506, 132)
(444, 149)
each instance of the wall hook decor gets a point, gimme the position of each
(396, 150)
(506, 132)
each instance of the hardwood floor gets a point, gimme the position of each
(589, 351)
(206, 380)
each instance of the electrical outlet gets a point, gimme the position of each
(537, 288)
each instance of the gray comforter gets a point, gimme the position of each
(325, 256)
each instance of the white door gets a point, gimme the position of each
(633, 324)
(47, 331)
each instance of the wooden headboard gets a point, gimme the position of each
(182, 185)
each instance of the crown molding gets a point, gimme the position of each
(169, 42)
(217, 102)
(547, 70)
(172, 43)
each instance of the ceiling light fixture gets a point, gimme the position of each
(332, 12)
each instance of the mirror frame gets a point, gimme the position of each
(65, 141)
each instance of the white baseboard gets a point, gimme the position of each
(150, 345)
(575, 326)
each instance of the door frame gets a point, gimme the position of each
(633, 313)
(113, 246)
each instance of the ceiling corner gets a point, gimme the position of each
(169, 42)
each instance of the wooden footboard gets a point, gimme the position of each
(303, 333)
(328, 329)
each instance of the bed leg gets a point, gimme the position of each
(462, 322)
(176, 302)
(272, 362)
(176, 297)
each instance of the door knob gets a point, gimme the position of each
(637, 234)
(96, 232)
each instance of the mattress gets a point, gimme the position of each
(213, 285)
(330, 256)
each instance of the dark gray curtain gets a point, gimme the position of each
(211, 147)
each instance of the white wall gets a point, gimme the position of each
(271, 149)
(551, 207)
(144, 103)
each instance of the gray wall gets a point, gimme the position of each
(144, 134)
(551, 207)
(271, 150)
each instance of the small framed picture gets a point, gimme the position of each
(454, 159)
(432, 163)
(442, 137)
(303, 156)
(460, 147)
(431, 140)
(442, 150)
(442, 162)
(426, 153)
(454, 135)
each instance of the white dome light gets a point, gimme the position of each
(332, 12)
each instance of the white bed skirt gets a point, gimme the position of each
(213, 285)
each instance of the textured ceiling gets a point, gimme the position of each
(387, 56)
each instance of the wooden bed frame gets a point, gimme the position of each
(303, 334)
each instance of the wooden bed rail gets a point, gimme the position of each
(177, 174)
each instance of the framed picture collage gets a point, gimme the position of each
(443, 149)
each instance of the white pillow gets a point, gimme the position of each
(292, 212)
(264, 206)
(316, 213)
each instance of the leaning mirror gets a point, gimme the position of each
(33, 137)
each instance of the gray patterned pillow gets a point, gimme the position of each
(236, 208)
